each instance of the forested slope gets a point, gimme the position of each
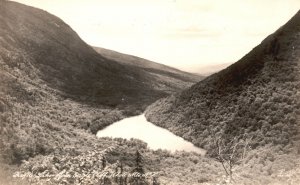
(52, 84)
(55, 92)
(166, 77)
(43, 47)
(256, 98)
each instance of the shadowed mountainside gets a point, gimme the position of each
(52, 82)
(159, 71)
(43, 47)
(55, 91)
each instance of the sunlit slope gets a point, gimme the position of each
(257, 97)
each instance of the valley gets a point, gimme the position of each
(75, 114)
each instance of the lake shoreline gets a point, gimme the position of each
(156, 137)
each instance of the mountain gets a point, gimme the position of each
(39, 48)
(53, 85)
(165, 75)
(256, 97)
(53, 52)
(56, 91)
(211, 69)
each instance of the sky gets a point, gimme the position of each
(187, 34)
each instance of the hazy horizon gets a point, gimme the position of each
(189, 35)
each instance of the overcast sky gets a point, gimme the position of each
(187, 34)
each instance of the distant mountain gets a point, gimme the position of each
(167, 78)
(52, 84)
(256, 97)
(211, 69)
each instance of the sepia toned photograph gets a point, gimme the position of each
(149, 92)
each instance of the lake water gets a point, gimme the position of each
(156, 137)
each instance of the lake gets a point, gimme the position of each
(156, 137)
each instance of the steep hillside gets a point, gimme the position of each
(166, 76)
(52, 83)
(42, 46)
(257, 98)
(39, 51)
(55, 91)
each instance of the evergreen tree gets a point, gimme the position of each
(138, 163)
(121, 179)
(274, 48)
(138, 172)
(103, 162)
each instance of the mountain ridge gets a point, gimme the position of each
(51, 104)
(145, 64)
(53, 82)
(165, 75)
(75, 68)
(244, 98)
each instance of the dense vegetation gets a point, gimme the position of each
(55, 91)
(76, 166)
(256, 98)
(165, 76)
(40, 49)
(51, 81)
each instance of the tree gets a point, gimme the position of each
(230, 153)
(138, 172)
(274, 48)
(138, 163)
(103, 162)
(119, 169)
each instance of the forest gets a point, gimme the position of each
(256, 100)
(56, 92)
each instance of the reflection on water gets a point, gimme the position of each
(156, 137)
